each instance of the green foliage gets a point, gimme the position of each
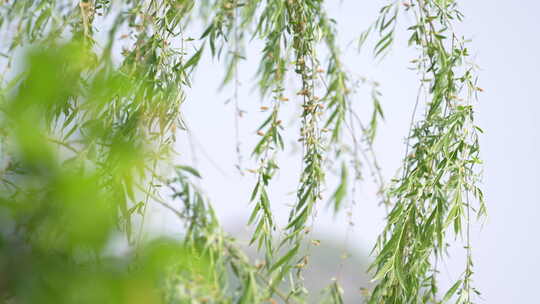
(67, 193)
(438, 187)
(87, 128)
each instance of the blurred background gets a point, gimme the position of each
(506, 47)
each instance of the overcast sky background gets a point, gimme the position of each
(505, 45)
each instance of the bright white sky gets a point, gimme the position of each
(505, 45)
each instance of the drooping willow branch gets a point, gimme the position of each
(440, 172)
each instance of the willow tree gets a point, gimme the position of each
(88, 128)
